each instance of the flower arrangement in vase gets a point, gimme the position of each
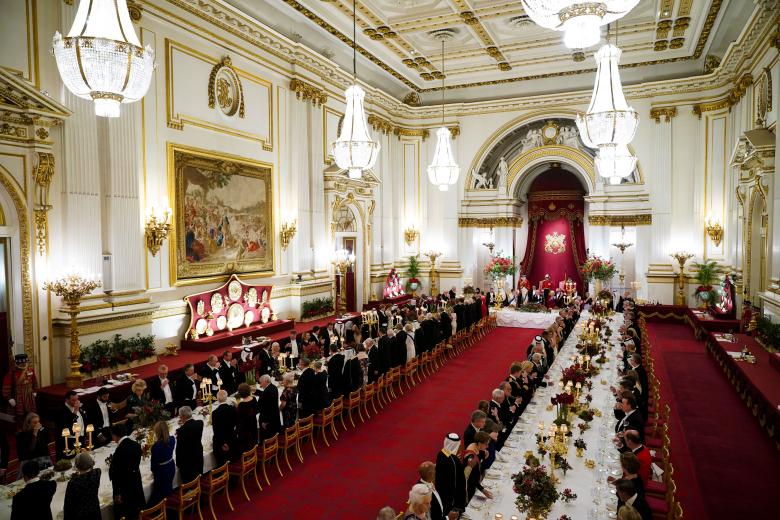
(536, 493)
(581, 446)
(563, 401)
(312, 352)
(500, 266)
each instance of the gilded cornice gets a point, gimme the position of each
(656, 113)
(490, 222)
(620, 220)
(387, 127)
(732, 97)
(308, 92)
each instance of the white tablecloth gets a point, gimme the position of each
(526, 320)
(595, 498)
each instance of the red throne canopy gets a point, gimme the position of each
(556, 234)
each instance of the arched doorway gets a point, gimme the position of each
(556, 232)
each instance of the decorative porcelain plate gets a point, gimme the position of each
(251, 297)
(235, 316)
(200, 326)
(221, 323)
(209, 331)
(217, 303)
(234, 290)
(249, 317)
(200, 307)
(265, 296)
(265, 314)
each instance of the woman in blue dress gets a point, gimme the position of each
(163, 465)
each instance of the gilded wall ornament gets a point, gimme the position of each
(308, 92)
(656, 113)
(225, 89)
(621, 220)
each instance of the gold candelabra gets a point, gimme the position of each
(410, 235)
(158, 227)
(342, 262)
(432, 256)
(554, 443)
(681, 257)
(287, 233)
(714, 230)
(622, 246)
(71, 288)
(490, 246)
(77, 446)
(206, 393)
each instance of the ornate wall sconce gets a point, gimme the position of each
(714, 230)
(410, 235)
(288, 232)
(158, 226)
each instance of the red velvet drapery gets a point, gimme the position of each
(556, 233)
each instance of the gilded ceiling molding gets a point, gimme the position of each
(656, 113)
(732, 98)
(399, 132)
(380, 124)
(387, 127)
(620, 220)
(135, 11)
(308, 92)
(490, 222)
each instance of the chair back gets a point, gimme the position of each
(217, 478)
(157, 512)
(368, 391)
(305, 427)
(249, 459)
(337, 405)
(270, 447)
(354, 399)
(189, 493)
(291, 436)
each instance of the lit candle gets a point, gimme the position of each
(65, 435)
(578, 385)
(90, 429)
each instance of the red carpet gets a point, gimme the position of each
(375, 464)
(725, 465)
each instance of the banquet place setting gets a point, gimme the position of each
(392, 259)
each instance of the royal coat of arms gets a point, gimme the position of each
(555, 244)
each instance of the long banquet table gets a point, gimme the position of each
(527, 320)
(595, 498)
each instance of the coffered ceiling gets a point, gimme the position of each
(492, 49)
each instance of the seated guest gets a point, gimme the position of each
(137, 400)
(500, 413)
(125, 474)
(450, 480)
(223, 423)
(268, 407)
(70, 414)
(228, 372)
(427, 472)
(386, 513)
(477, 423)
(163, 467)
(633, 443)
(288, 401)
(32, 443)
(186, 389)
(631, 420)
(627, 495)
(189, 449)
(629, 464)
(246, 412)
(161, 389)
(472, 465)
(81, 494)
(34, 500)
(100, 415)
(293, 348)
(212, 373)
(419, 503)
(628, 513)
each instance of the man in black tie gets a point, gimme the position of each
(100, 415)
(189, 448)
(161, 389)
(34, 500)
(294, 348)
(336, 383)
(268, 406)
(374, 360)
(223, 422)
(228, 371)
(478, 418)
(125, 474)
(212, 373)
(427, 472)
(627, 495)
(186, 390)
(631, 420)
(307, 389)
(70, 414)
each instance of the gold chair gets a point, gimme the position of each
(407, 373)
(369, 394)
(395, 379)
(186, 496)
(214, 482)
(338, 411)
(324, 420)
(425, 364)
(157, 512)
(246, 466)
(353, 403)
(270, 452)
(290, 440)
(381, 387)
(306, 431)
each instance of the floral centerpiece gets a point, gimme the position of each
(563, 401)
(575, 373)
(597, 268)
(536, 493)
(500, 266)
(312, 352)
(567, 495)
(581, 446)
(247, 368)
(150, 413)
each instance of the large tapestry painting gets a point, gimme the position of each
(223, 207)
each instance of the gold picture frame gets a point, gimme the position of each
(223, 216)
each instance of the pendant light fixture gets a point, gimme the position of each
(354, 150)
(609, 123)
(580, 21)
(102, 59)
(443, 170)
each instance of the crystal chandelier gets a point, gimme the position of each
(615, 162)
(443, 170)
(609, 119)
(580, 21)
(354, 150)
(102, 59)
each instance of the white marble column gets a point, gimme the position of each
(661, 195)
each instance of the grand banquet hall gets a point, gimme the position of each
(392, 259)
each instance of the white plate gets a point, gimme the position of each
(200, 326)
(265, 314)
(249, 317)
(234, 290)
(221, 323)
(235, 316)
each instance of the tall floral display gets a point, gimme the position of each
(596, 268)
(498, 269)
